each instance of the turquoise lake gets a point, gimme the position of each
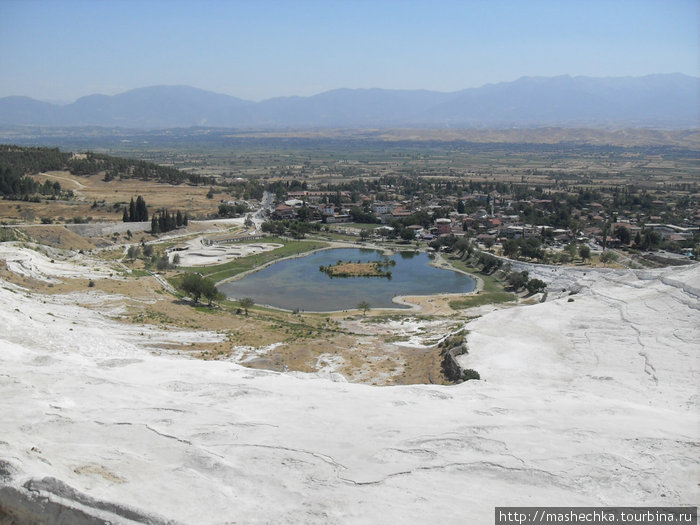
(299, 284)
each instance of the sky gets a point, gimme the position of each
(60, 50)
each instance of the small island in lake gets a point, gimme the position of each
(359, 269)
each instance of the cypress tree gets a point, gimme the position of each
(141, 210)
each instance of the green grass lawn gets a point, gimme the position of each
(482, 299)
(493, 291)
(491, 284)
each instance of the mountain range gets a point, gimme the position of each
(664, 101)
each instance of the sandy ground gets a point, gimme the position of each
(586, 402)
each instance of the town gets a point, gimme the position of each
(552, 224)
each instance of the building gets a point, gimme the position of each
(380, 208)
(444, 226)
(283, 212)
(669, 230)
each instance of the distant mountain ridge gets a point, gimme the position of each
(666, 101)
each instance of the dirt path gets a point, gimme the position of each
(76, 186)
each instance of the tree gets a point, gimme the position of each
(463, 246)
(163, 263)
(197, 286)
(470, 374)
(132, 252)
(358, 215)
(518, 279)
(535, 286)
(364, 234)
(651, 240)
(138, 212)
(304, 213)
(210, 292)
(132, 211)
(622, 233)
(584, 251)
(607, 257)
(572, 249)
(192, 286)
(606, 232)
(510, 247)
(141, 210)
(364, 306)
(407, 234)
(246, 303)
(489, 262)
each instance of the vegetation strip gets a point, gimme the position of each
(236, 267)
(358, 269)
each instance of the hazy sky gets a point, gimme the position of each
(62, 50)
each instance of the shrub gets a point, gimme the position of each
(535, 286)
(470, 374)
(163, 263)
(518, 279)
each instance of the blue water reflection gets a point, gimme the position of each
(298, 283)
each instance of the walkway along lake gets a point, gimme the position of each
(299, 284)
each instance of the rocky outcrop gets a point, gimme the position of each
(450, 366)
(49, 500)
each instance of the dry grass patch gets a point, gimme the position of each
(110, 198)
(58, 237)
(349, 269)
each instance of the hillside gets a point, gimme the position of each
(589, 402)
(663, 101)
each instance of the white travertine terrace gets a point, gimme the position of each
(586, 402)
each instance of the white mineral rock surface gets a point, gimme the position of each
(590, 402)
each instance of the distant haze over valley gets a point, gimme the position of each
(662, 101)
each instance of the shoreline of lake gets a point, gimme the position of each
(289, 286)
